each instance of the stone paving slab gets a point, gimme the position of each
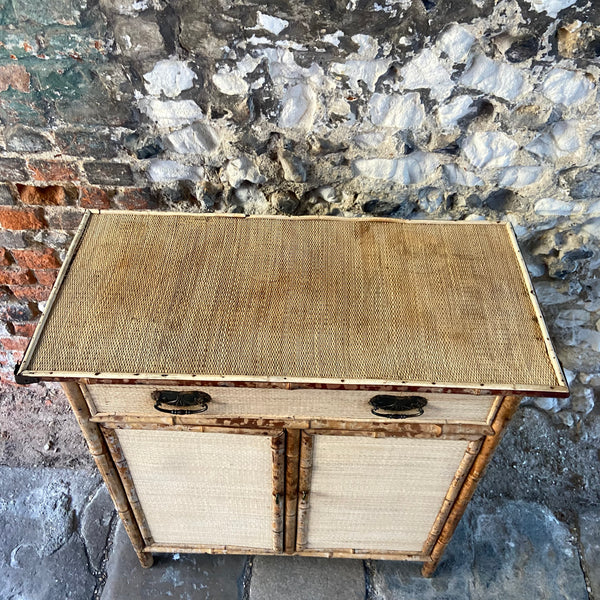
(177, 577)
(303, 578)
(589, 532)
(43, 555)
(512, 551)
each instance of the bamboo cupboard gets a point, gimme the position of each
(317, 386)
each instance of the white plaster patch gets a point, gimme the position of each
(253, 199)
(370, 139)
(396, 111)
(292, 45)
(449, 114)
(413, 168)
(170, 113)
(256, 85)
(520, 177)
(390, 10)
(340, 107)
(296, 86)
(489, 149)
(363, 64)
(199, 138)
(273, 24)
(284, 70)
(550, 207)
(230, 83)
(560, 141)
(169, 77)
(426, 71)
(455, 42)
(170, 170)
(242, 169)
(454, 175)
(492, 77)
(259, 41)
(367, 46)
(367, 71)
(333, 38)
(551, 7)
(298, 107)
(391, 7)
(566, 87)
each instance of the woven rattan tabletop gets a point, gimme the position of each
(314, 300)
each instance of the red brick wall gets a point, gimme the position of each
(38, 219)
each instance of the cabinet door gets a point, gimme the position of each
(375, 495)
(203, 489)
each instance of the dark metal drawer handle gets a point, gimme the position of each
(400, 405)
(181, 403)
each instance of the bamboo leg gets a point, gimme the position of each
(112, 441)
(291, 488)
(304, 475)
(99, 450)
(455, 487)
(504, 415)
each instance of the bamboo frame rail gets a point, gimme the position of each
(450, 431)
(505, 413)
(314, 552)
(99, 450)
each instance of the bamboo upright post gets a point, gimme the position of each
(291, 488)
(504, 415)
(304, 475)
(278, 450)
(99, 450)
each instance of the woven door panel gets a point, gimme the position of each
(378, 493)
(198, 488)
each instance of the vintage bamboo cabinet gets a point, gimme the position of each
(313, 386)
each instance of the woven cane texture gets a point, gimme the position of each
(378, 494)
(203, 488)
(307, 298)
(288, 404)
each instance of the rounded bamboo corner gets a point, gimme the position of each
(428, 569)
(146, 559)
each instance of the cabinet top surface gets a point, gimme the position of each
(313, 300)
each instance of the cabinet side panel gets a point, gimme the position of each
(203, 488)
(378, 493)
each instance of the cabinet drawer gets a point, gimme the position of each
(302, 406)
